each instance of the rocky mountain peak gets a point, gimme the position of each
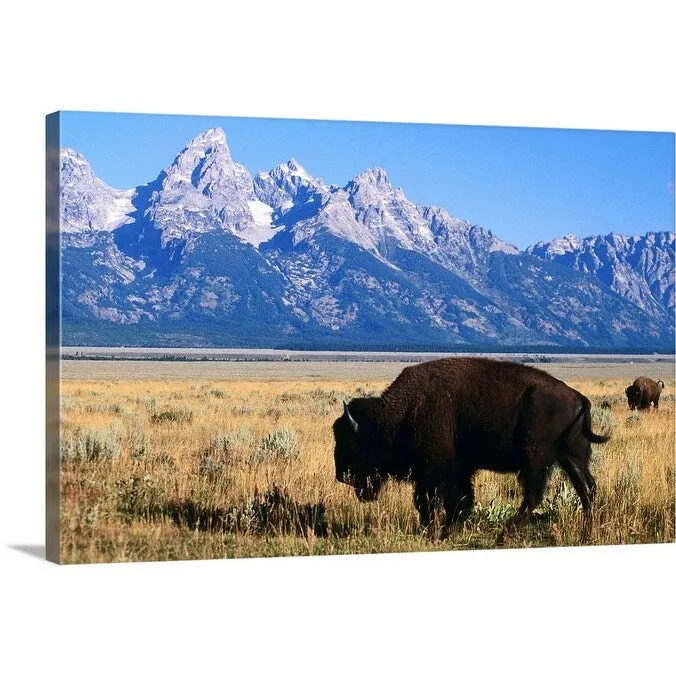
(203, 163)
(209, 139)
(557, 247)
(376, 178)
(202, 190)
(74, 167)
(287, 183)
(294, 167)
(88, 205)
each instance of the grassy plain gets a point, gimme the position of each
(192, 469)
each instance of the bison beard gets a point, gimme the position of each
(441, 421)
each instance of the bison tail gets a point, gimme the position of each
(587, 425)
(596, 438)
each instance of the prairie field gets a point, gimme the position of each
(193, 469)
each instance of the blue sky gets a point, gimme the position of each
(524, 184)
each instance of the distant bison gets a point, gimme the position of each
(643, 392)
(441, 421)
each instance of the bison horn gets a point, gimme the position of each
(353, 423)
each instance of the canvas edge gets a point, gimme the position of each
(52, 338)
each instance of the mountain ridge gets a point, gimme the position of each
(206, 248)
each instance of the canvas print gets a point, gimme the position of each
(301, 337)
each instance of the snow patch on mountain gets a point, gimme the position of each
(262, 230)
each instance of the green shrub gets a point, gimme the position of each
(139, 449)
(211, 467)
(242, 410)
(147, 402)
(91, 445)
(603, 421)
(116, 409)
(139, 496)
(226, 443)
(495, 512)
(289, 396)
(172, 415)
(68, 403)
(634, 418)
(564, 498)
(276, 445)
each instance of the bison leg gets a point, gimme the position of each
(578, 476)
(458, 501)
(584, 485)
(534, 482)
(591, 483)
(426, 500)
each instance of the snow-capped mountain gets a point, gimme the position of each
(204, 190)
(207, 255)
(88, 205)
(286, 185)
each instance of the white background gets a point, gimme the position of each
(542, 64)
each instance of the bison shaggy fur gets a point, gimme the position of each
(440, 421)
(644, 392)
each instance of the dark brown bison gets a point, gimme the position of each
(441, 421)
(643, 392)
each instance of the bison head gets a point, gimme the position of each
(357, 450)
(633, 396)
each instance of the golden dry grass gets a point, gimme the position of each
(156, 470)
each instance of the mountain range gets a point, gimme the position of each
(208, 255)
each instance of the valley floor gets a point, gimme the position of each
(277, 365)
(172, 465)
